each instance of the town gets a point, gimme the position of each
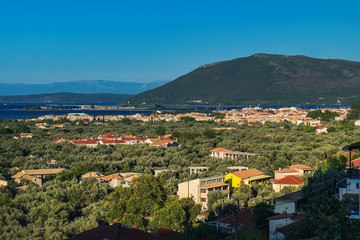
(234, 166)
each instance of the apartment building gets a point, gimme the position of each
(199, 189)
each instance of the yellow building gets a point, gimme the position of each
(247, 177)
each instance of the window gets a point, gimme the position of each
(357, 185)
(203, 199)
(203, 190)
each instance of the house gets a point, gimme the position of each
(159, 171)
(201, 169)
(88, 142)
(289, 203)
(26, 135)
(349, 188)
(238, 168)
(225, 153)
(128, 178)
(227, 224)
(281, 220)
(302, 169)
(289, 211)
(247, 176)
(134, 139)
(116, 231)
(3, 183)
(61, 126)
(163, 142)
(321, 130)
(114, 180)
(288, 181)
(35, 175)
(354, 163)
(111, 141)
(108, 136)
(281, 173)
(96, 175)
(199, 188)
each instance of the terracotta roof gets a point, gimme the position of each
(354, 163)
(167, 234)
(112, 176)
(92, 174)
(244, 217)
(112, 141)
(286, 170)
(129, 138)
(247, 173)
(289, 180)
(84, 142)
(220, 150)
(108, 135)
(114, 232)
(302, 167)
(38, 172)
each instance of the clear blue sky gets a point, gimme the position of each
(143, 41)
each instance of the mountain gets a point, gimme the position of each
(264, 79)
(87, 86)
(66, 97)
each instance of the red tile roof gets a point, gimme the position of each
(112, 176)
(302, 167)
(84, 142)
(244, 217)
(289, 180)
(108, 135)
(354, 163)
(286, 170)
(112, 141)
(220, 150)
(247, 173)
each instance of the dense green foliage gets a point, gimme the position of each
(324, 116)
(262, 79)
(329, 219)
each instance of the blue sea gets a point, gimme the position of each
(16, 110)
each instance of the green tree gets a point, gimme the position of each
(187, 119)
(209, 133)
(125, 121)
(22, 129)
(261, 212)
(6, 131)
(329, 218)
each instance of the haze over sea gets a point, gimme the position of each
(16, 110)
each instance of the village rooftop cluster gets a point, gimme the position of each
(235, 116)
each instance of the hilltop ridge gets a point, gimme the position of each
(262, 79)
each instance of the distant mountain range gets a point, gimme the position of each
(66, 98)
(86, 86)
(262, 79)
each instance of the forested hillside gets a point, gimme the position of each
(264, 79)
